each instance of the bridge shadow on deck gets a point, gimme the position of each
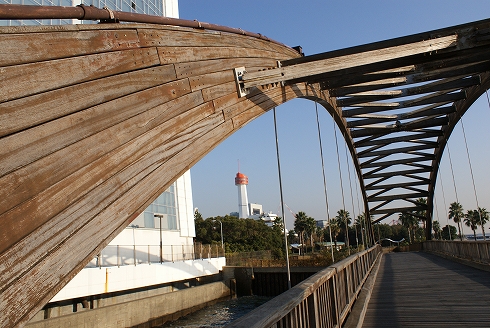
(424, 290)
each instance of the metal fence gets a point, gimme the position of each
(323, 300)
(117, 255)
(477, 251)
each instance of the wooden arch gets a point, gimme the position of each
(95, 122)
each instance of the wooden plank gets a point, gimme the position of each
(16, 258)
(25, 48)
(406, 138)
(396, 185)
(397, 196)
(426, 157)
(204, 38)
(393, 151)
(381, 107)
(26, 198)
(210, 66)
(28, 79)
(347, 61)
(171, 55)
(22, 148)
(445, 86)
(406, 127)
(219, 90)
(393, 210)
(411, 290)
(108, 220)
(24, 113)
(211, 79)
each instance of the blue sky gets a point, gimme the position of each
(320, 26)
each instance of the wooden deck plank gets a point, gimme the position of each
(424, 290)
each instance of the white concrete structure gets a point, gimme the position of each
(94, 281)
(255, 210)
(269, 218)
(241, 181)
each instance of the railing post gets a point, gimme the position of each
(149, 257)
(134, 254)
(172, 251)
(117, 256)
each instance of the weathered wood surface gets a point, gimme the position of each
(424, 290)
(95, 122)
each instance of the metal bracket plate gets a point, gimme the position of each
(239, 71)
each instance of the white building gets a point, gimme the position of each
(241, 181)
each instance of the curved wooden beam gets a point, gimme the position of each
(95, 122)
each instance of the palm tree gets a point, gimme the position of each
(483, 218)
(335, 229)
(471, 220)
(421, 215)
(360, 222)
(410, 222)
(304, 224)
(456, 214)
(437, 229)
(343, 220)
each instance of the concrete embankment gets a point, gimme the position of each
(144, 312)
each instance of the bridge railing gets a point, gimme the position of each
(477, 251)
(323, 300)
(119, 255)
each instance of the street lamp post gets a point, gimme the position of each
(221, 229)
(157, 215)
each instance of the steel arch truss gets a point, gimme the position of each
(399, 100)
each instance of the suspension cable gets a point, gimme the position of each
(445, 208)
(437, 214)
(341, 188)
(452, 172)
(472, 178)
(363, 224)
(351, 196)
(324, 181)
(282, 201)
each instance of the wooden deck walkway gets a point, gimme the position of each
(424, 290)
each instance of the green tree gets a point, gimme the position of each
(456, 214)
(449, 232)
(304, 225)
(360, 222)
(410, 222)
(483, 219)
(437, 229)
(335, 229)
(343, 220)
(471, 219)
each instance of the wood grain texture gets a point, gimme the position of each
(423, 290)
(92, 133)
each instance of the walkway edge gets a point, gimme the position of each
(356, 316)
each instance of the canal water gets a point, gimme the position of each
(219, 314)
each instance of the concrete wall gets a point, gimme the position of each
(93, 281)
(156, 309)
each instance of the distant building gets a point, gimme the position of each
(322, 223)
(255, 210)
(269, 218)
(241, 181)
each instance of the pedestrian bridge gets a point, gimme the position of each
(97, 120)
(405, 289)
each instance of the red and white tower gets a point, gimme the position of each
(241, 181)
